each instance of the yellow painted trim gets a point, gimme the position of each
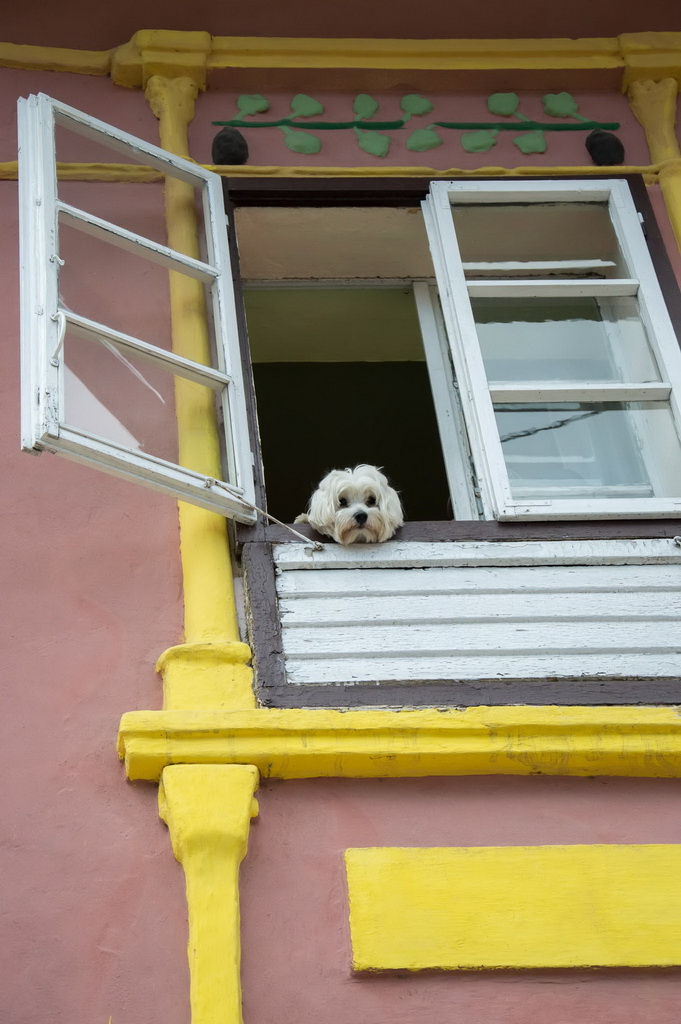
(55, 58)
(422, 54)
(210, 607)
(649, 171)
(126, 172)
(209, 675)
(465, 908)
(654, 106)
(208, 811)
(161, 52)
(193, 54)
(650, 55)
(520, 740)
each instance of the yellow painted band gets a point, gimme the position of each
(293, 744)
(192, 54)
(55, 58)
(423, 54)
(210, 606)
(208, 811)
(123, 172)
(468, 908)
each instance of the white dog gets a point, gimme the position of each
(355, 506)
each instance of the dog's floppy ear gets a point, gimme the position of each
(322, 509)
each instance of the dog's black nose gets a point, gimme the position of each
(361, 518)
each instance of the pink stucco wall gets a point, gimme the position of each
(93, 906)
(90, 596)
(72, 23)
(296, 944)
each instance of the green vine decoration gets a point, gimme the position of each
(476, 137)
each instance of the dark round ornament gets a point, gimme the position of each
(604, 148)
(229, 147)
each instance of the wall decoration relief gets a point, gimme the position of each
(304, 129)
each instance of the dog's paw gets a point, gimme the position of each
(302, 518)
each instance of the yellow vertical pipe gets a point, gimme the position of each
(654, 106)
(208, 809)
(210, 669)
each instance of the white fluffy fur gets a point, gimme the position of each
(355, 506)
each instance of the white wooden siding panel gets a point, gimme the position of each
(482, 580)
(605, 606)
(431, 553)
(481, 611)
(470, 669)
(477, 638)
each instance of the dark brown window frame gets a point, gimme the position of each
(255, 542)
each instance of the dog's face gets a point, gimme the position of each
(355, 506)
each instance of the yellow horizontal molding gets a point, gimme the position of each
(194, 54)
(142, 174)
(468, 908)
(91, 172)
(299, 744)
(423, 54)
(274, 171)
(55, 58)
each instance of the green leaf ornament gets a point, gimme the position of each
(503, 104)
(423, 139)
(301, 142)
(530, 142)
(479, 142)
(559, 104)
(414, 104)
(252, 103)
(306, 106)
(374, 143)
(365, 106)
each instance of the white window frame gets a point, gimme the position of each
(476, 393)
(44, 320)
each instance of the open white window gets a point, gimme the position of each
(65, 348)
(567, 365)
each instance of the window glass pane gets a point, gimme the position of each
(539, 231)
(127, 401)
(581, 450)
(570, 339)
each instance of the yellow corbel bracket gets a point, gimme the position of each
(654, 106)
(161, 52)
(208, 809)
(650, 55)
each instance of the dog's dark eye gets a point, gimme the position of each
(371, 500)
(343, 502)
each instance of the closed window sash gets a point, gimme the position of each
(568, 366)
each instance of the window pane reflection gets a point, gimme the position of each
(571, 339)
(578, 449)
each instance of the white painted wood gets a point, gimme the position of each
(555, 392)
(112, 234)
(472, 638)
(451, 426)
(509, 665)
(475, 399)
(125, 343)
(449, 609)
(466, 356)
(469, 553)
(520, 267)
(43, 425)
(481, 610)
(438, 581)
(551, 289)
